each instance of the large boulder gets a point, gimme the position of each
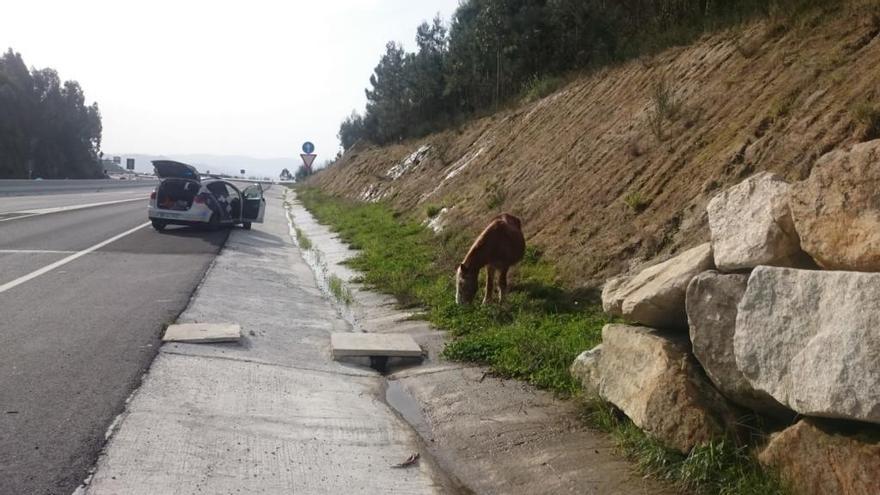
(585, 369)
(654, 380)
(811, 339)
(751, 224)
(817, 460)
(656, 296)
(612, 300)
(837, 210)
(712, 299)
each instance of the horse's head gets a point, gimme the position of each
(465, 284)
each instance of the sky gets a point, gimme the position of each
(254, 78)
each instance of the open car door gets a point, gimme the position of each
(254, 204)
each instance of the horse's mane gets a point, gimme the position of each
(481, 239)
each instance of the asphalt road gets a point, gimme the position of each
(80, 321)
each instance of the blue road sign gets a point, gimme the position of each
(308, 147)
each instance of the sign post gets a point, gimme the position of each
(308, 156)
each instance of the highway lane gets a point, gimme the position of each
(11, 204)
(74, 341)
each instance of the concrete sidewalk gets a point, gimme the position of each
(272, 414)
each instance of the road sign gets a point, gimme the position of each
(129, 163)
(308, 159)
(308, 148)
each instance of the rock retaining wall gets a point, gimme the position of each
(768, 330)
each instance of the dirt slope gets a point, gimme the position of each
(772, 95)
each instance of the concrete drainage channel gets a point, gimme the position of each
(484, 433)
(338, 289)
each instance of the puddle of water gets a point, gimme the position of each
(406, 405)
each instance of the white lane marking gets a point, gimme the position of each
(63, 261)
(57, 209)
(33, 251)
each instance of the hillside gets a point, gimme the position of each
(617, 166)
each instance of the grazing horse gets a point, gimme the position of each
(500, 246)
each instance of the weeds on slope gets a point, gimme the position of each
(534, 336)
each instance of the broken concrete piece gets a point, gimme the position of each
(203, 332)
(373, 344)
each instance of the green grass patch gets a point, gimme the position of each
(433, 210)
(303, 240)
(534, 336)
(339, 290)
(719, 467)
(636, 201)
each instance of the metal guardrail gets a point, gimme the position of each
(19, 187)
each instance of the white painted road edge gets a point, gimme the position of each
(58, 209)
(63, 261)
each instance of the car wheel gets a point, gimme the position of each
(246, 225)
(158, 225)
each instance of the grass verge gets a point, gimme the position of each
(535, 336)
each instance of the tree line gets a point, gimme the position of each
(495, 50)
(46, 128)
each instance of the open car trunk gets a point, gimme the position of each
(176, 194)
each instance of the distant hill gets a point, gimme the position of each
(218, 164)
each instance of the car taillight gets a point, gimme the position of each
(153, 195)
(199, 199)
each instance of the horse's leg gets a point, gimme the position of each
(502, 283)
(490, 284)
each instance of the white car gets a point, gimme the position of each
(183, 198)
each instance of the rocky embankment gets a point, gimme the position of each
(618, 166)
(778, 316)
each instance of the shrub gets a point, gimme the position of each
(636, 201)
(665, 107)
(868, 117)
(538, 87)
(496, 194)
(433, 210)
(782, 106)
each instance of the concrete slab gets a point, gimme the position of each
(203, 332)
(372, 344)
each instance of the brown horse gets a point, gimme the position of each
(500, 246)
